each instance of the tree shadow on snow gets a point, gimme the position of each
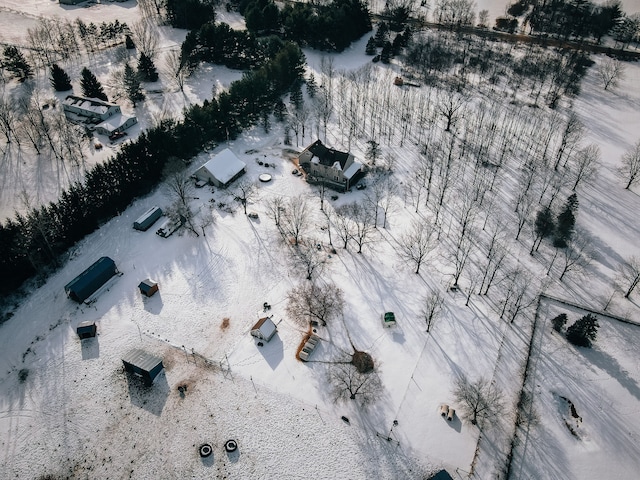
(151, 398)
(610, 365)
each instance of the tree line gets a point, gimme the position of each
(34, 242)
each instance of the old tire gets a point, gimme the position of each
(231, 446)
(205, 450)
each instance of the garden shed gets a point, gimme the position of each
(148, 287)
(142, 364)
(86, 284)
(441, 475)
(265, 329)
(86, 330)
(147, 219)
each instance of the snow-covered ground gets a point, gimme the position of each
(77, 415)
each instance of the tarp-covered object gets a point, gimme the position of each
(85, 284)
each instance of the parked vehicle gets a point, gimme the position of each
(168, 227)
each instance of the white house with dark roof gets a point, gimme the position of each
(222, 169)
(335, 169)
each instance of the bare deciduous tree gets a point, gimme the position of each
(276, 209)
(517, 294)
(432, 305)
(571, 136)
(479, 401)
(180, 190)
(577, 255)
(364, 230)
(296, 218)
(312, 302)
(631, 165)
(309, 257)
(629, 275)
(146, 37)
(244, 192)
(610, 71)
(348, 383)
(451, 107)
(175, 69)
(586, 162)
(345, 224)
(415, 244)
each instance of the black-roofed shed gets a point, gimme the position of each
(86, 284)
(142, 364)
(86, 330)
(148, 287)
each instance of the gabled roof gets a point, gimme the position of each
(266, 327)
(147, 284)
(328, 156)
(141, 359)
(224, 166)
(115, 122)
(95, 105)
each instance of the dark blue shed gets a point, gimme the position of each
(85, 284)
(442, 475)
(143, 364)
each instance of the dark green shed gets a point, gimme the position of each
(85, 284)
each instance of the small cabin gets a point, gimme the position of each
(86, 330)
(148, 287)
(147, 219)
(142, 364)
(264, 329)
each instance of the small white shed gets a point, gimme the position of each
(264, 329)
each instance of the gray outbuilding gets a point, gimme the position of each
(142, 364)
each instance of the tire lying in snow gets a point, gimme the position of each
(205, 450)
(231, 446)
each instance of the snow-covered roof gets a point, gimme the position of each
(95, 105)
(266, 327)
(224, 166)
(352, 170)
(115, 122)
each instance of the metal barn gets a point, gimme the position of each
(85, 284)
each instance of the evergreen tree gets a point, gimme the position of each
(59, 79)
(16, 63)
(132, 85)
(312, 86)
(90, 85)
(396, 46)
(370, 49)
(147, 69)
(296, 96)
(566, 222)
(278, 110)
(382, 34)
(385, 55)
(583, 333)
(544, 227)
(559, 322)
(128, 42)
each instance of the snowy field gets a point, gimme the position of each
(75, 414)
